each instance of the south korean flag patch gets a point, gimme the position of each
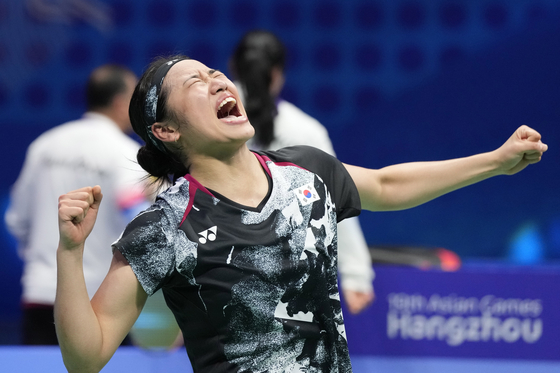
(307, 194)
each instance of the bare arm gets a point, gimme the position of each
(90, 332)
(407, 185)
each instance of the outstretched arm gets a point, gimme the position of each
(90, 332)
(407, 185)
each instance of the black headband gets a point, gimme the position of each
(151, 103)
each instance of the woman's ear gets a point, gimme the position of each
(164, 132)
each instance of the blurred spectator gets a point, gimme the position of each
(93, 150)
(257, 65)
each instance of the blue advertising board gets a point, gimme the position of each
(476, 312)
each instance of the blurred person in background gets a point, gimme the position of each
(94, 149)
(257, 66)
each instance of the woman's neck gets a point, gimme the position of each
(239, 176)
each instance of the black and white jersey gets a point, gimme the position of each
(252, 289)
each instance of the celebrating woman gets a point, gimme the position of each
(243, 244)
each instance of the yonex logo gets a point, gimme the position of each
(207, 235)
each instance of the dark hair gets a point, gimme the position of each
(163, 165)
(104, 83)
(255, 56)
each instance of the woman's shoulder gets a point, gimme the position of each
(173, 201)
(299, 155)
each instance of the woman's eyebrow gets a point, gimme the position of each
(194, 76)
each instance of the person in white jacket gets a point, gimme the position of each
(257, 65)
(94, 149)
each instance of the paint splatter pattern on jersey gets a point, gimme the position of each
(253, 289)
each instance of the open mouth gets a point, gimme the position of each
(228, 108)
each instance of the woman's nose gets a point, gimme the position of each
(218, 85)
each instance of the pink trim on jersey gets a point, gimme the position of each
(263, 159)
(193, 186)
